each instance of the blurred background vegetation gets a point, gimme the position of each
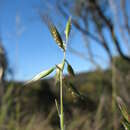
(103, 23)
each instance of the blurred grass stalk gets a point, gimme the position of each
(114, 94)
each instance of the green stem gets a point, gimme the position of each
(61, 104)
(61, 115)
(61, 96)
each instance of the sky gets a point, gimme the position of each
(29, 45)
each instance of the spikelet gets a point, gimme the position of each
(70, 69)
(56, 35)
(68, 28)
(40, 75)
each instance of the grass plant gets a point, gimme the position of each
(58, 67)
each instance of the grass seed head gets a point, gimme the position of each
(56, 36)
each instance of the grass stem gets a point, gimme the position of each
(61, 104)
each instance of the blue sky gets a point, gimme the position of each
(29, 45)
